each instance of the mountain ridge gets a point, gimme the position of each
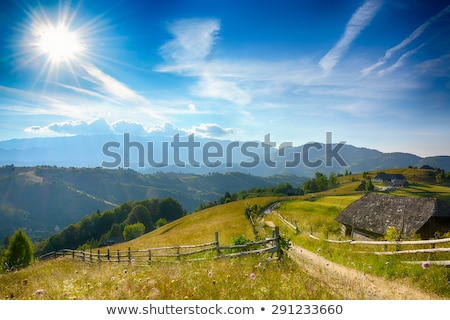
(208, 155)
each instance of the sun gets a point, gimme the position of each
(59, 43)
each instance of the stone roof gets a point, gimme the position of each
(375, 212)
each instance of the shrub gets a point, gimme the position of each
(132, 231)
(19, 253)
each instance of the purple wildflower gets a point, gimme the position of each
(210, 274)
(39, 291)
(426, 265)
(252, 276)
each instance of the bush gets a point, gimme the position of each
(132, 231)
(19, 253)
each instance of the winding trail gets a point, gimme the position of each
(348, 283)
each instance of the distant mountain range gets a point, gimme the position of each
(160, 153)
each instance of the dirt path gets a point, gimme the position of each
(352, 284)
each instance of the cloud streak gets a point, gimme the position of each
(414, 35)
(111, 85)
(358, 22)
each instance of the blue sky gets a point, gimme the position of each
(374, 73)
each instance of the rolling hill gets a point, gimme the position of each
(45, 199)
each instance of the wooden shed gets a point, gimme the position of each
(374, 213)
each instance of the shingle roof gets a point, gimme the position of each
(375, 212)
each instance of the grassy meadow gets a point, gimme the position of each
(249, 277)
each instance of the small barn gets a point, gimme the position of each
(371, 216)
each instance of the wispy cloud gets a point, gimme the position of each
(193, 42)
(400, 62)
(111, 85)
(187, 54)
(358, 22)
(414, 35)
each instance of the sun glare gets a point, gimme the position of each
(59, 43)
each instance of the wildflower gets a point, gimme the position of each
(319, 250)
(370, 267)
(133, 273)
(252, 276)
(125, 271)
(39, 291)
(426, 265)
(113, 278)
(269, 259)
(210, 274)
(388, 263)
(133, 260)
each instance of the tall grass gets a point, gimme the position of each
(255, 277)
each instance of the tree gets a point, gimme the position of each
(161, 222)
(369, 185)
(19, 253)
(133, 231)
(140, 213)
(170, 209)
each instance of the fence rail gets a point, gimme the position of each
(397, 245)
(175, 253)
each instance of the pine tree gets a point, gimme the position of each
(20, 251)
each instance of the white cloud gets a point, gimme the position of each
(358, 22)
(98, 126)
(210, 130)
(127, 126)
(194, 39)
(187, 54)
(192, 107)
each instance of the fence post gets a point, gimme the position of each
(90, 255)
(129, 254)
(107, 254)
(118, 255)
(217, 244)
(149, 256)
(98, 255)
(73, 254)
(84, 256)
(276, 236)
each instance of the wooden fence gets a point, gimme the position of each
(174, 253)
(398, 245)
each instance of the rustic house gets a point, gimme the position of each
(392, 179)
(374, 213)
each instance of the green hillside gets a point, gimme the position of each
(45, 199)
(235, 278)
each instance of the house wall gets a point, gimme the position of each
(433, 225)
(359, 234)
